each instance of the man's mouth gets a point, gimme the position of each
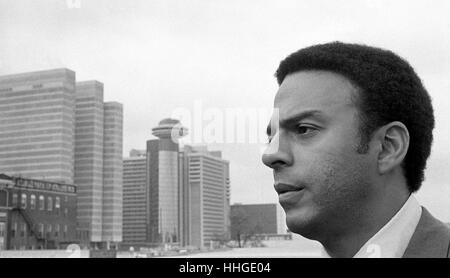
(288, 194)
(281, 188)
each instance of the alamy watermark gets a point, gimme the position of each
(224, 126)
(73, 4)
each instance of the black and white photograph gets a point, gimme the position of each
(242, 130)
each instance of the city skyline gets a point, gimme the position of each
(56, 129)
(173, 195)
(159, 56)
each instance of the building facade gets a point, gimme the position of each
(37, 120)
(89, 143)
(36, 214)
(112, 200)
(98, 165)
(135, 199)
(264, 221)
(173, 196)
(205, 197)
(56, 129)
(163, 181)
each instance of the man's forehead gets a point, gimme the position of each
(313, 90)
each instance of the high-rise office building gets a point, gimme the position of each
(98, 165)
(135, 199)
(89, 159)
(163, 181)
(37, 112)
(205, 197)
(54, 129)
(172, 196)
(112, 173)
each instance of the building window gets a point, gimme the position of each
(65, 199)
(57, 230)
(66, 212)
(65, 232)
(15, 199)
(41, 202)
(3, 198)
(33, 201)
(23, 230)
(41, 230)
(14, 229)
(49, 203)
(49, 231)
(57, 205)
(23, 201)
(2, 229)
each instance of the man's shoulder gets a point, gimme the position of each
(431, 239)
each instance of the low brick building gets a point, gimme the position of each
(261, 221)
(36, 214)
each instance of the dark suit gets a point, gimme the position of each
(431, 239)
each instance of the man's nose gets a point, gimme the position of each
(277, 155)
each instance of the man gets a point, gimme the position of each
(348, 144)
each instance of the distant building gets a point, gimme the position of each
(151, 189)
(37, 112)
(163, 181)
(173, 196)
(112, 173)
(55, 129)
(98, 165)
(265, 221)
(135, 199)
(89, 159)
(36, 214)
(205, 196)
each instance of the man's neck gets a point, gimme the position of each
(370, 220)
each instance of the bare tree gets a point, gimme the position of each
(240, 230)
(222, 238)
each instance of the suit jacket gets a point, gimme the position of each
(431, 239)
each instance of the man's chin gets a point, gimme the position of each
(302, 221)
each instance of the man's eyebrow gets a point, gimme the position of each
(295, 119)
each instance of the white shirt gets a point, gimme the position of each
(393, 238)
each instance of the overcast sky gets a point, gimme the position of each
(157, 56)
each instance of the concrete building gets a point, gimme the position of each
(54, 129)
(89, 159)
(112, 173)
(265, 221)
(175, 197)
(98, 165)
(135, 199)
(36, 214)
(205, 195)
(163, 181)
(37, 112)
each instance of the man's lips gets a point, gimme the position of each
(281, 188)
(289, 194)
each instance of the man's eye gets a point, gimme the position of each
(304, 129)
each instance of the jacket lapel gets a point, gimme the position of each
(431, 239)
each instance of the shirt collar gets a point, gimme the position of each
(393, 238)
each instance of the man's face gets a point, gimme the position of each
(321, 180)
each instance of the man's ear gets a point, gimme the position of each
(394, 143)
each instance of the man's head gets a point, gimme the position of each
(351, 118)
(388, 90)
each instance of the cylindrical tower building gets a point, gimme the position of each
(162, 161)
